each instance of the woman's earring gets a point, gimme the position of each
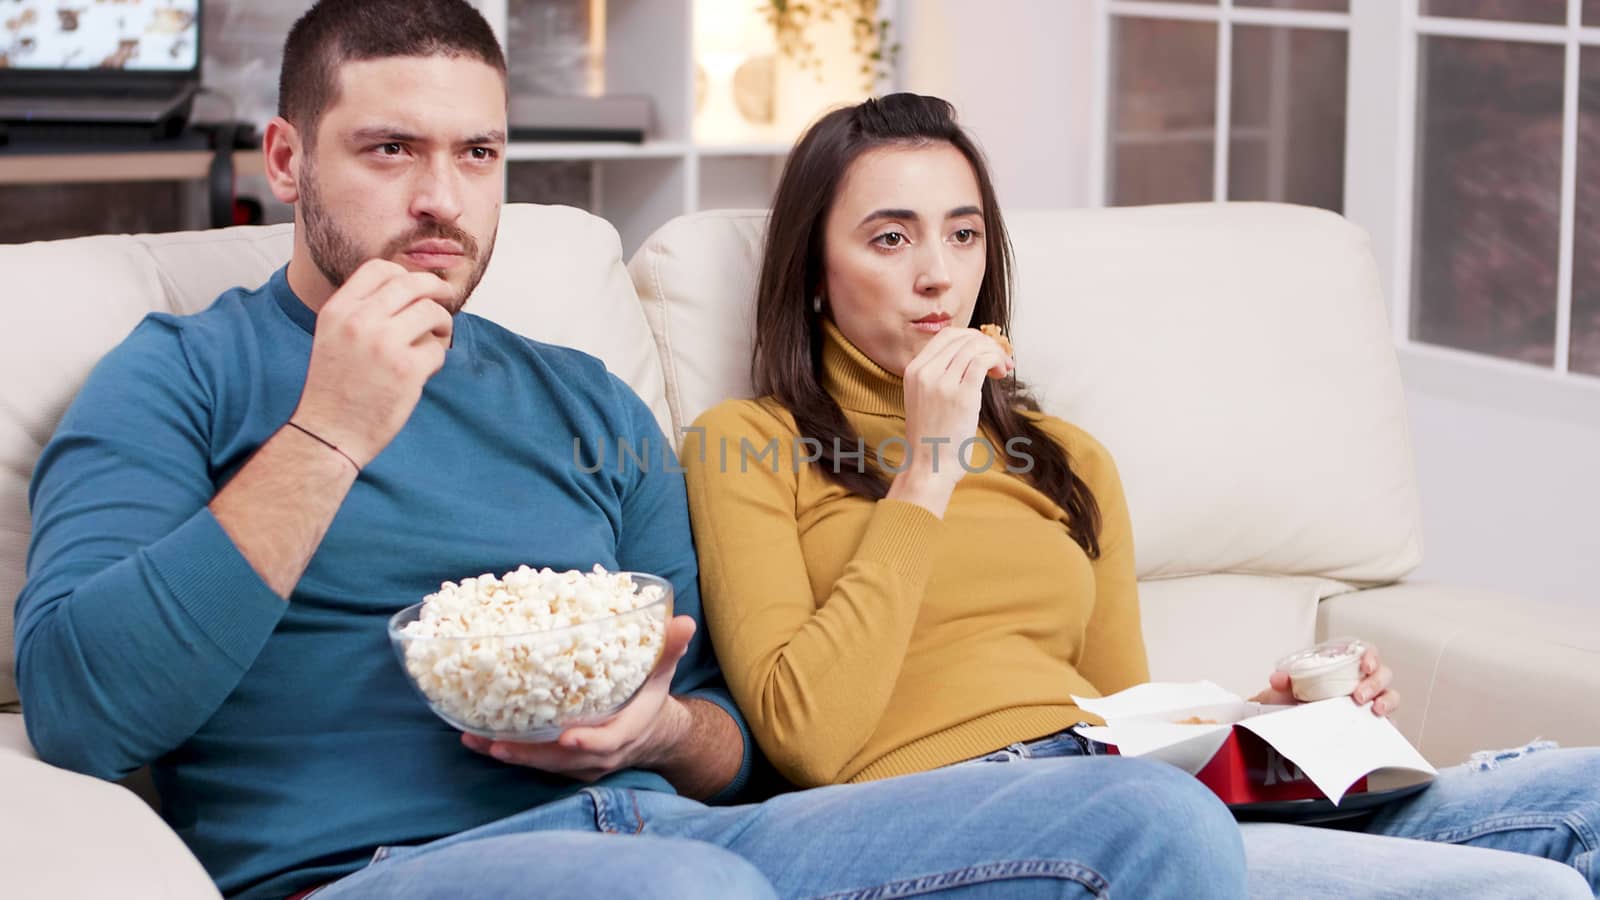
(816, 304)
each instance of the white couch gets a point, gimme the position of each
(1233, 357)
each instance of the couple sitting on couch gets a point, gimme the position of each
(344, 437)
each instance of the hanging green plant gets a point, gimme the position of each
(791, 19)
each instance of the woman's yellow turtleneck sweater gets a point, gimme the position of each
(865, 639)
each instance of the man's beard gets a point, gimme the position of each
(336, 254)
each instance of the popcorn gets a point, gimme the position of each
(535, 650)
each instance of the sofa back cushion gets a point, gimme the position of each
(557, 276)
(1235, 359)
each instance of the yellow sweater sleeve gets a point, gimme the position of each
(1113, 655)
(812, 678)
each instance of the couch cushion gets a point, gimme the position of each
(557, 275)
(74, 837)
(1477, 669)
(1229, 629)
(696, 277)
(1233, 357)
(14, 737)
(1236, 359)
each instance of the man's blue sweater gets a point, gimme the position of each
(285, 741)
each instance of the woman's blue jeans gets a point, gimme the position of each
(1510, 824)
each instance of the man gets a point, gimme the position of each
(238, 500)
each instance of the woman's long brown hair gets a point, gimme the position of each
(788, 351)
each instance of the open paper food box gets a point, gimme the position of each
(1248, 752)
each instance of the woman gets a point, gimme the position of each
(942, 565)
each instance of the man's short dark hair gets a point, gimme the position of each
(334, 32)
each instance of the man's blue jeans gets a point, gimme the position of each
(1518, 823)
(1066, 827)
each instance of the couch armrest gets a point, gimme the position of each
(1478, 670)
(69, 836)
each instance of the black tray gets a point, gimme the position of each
(1320, 810)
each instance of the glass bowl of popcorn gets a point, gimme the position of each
(524, 656)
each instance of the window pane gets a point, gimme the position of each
(1312, 5)
(1585, 347)
(1164, 111)
(1591, 12)
(1549, 12)
(1489, 182)
(1287, 133)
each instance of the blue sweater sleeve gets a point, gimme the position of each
(139, 615)
(655, 539)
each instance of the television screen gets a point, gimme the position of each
(72, 35)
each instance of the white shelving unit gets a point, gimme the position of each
(649, 50)
(533, 151)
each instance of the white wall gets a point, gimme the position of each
(1018, 72)
(1508, 465)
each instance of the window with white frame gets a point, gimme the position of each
(1241, 100)
(1495, 165)
(1506, 198)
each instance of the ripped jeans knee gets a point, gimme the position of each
(1489, 760)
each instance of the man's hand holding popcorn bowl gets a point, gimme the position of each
(566, 672)
(642, 736)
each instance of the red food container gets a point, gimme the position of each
(1246, 769)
